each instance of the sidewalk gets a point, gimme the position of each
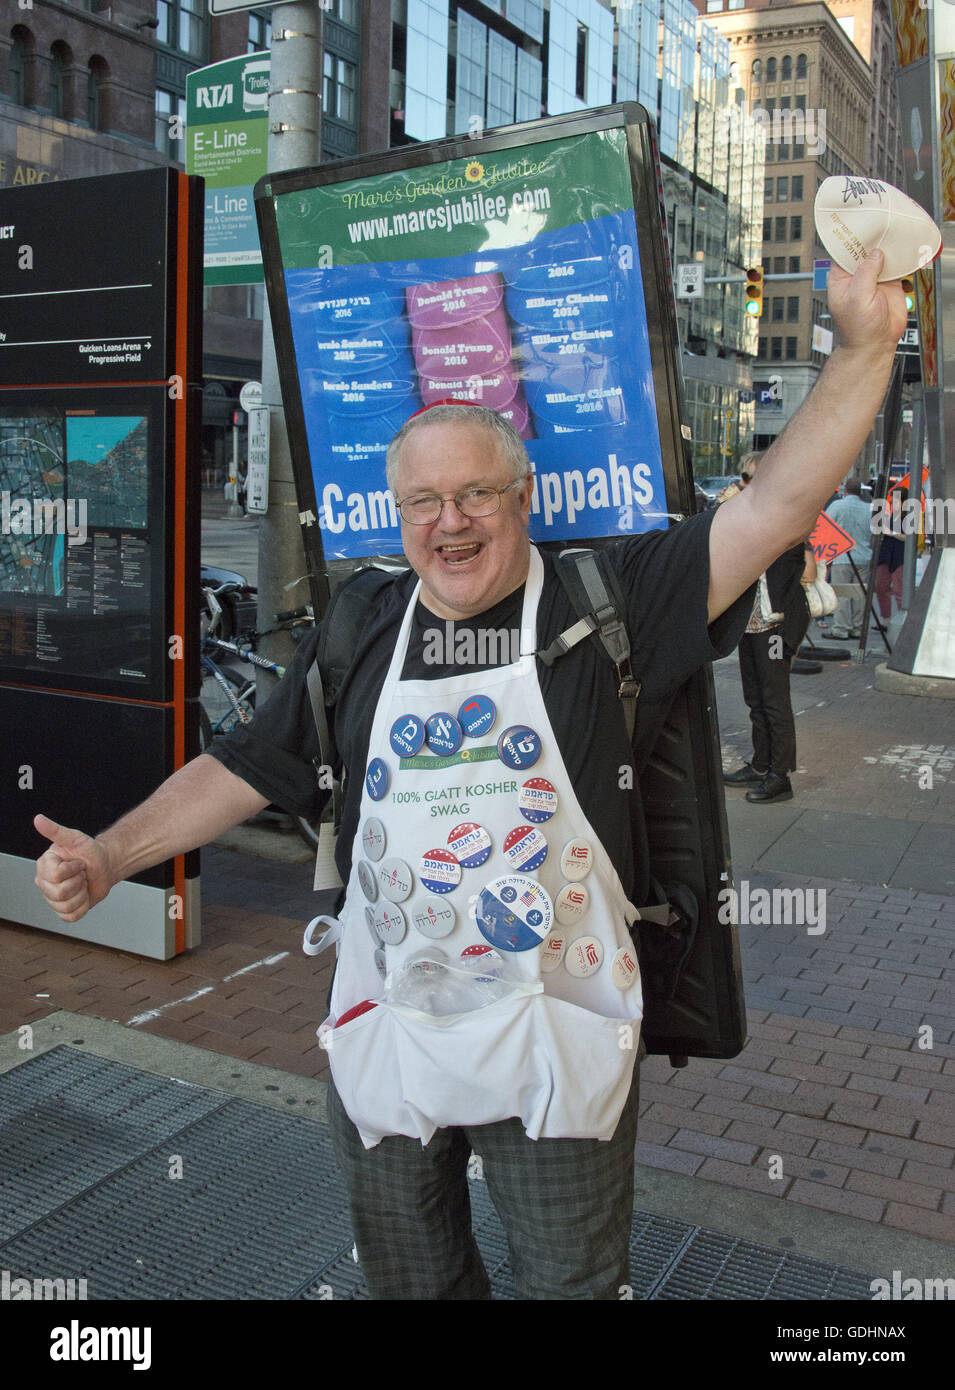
(832, 1135)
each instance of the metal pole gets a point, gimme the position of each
(910, 557)
(294, 142)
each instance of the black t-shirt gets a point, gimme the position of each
(664, 576)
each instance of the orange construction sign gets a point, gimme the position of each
(828, 540)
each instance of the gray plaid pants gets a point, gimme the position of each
(565, 1204)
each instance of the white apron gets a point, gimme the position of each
(559, 1050)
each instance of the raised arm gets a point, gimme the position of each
(192, 807)
(818, 446)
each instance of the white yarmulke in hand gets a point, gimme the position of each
(857, 215)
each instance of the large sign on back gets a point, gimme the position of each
(513, 274)
(526, 271)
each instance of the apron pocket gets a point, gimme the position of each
(563, 1071)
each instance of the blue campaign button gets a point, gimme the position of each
(407, 735)
(477, 715)
(514, 913)
(445, 735)
(519, 747)
(377, 779)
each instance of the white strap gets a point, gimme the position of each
(313, 948)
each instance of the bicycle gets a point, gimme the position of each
(227, 696)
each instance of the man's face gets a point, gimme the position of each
(466, 564)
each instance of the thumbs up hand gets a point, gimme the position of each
(74, 873)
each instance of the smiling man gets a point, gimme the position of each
(484, 822)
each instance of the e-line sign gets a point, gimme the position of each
(227, 145)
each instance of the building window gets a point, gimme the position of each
(794, 265)
(581, 87)
(60, 63)
(767, 229)
(776, 349)
(19, 65)
(182, 26)
(346, 11)
(96, 77)
(770, 153)
(792, 308)
(771, 69)
(802, 65)
(169, 105)
(757, 69)
(260, 34)
(762, 348)
(779, 265)
(777, 303)
(780, 229)
(767, 190)
(795, 229)
(787, 72)
(791, 353)
(712, 6)
(782, 189)
(339, 95)
(783, 152)
(797, 188)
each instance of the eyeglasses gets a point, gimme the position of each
(470, 501)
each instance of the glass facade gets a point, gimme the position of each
(566, 19)
(470, 73)
(501, 81)
(426, 73)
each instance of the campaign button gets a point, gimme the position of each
(390, 923)
(483, 952)
(552, 950)
(519, 747)
(373, 839)
(470, 844)
(624, 970)
(576, 860)
(584, 957)
(370, 923)
(381, 962)
(537, 800)
(571, 903)
(428, 960)
(407, 735)
(377, 779)
(434, 919)
(477, 715)
(444, 734)
(525, 848)
(366, 880)
(439, 871)
(505, 909)
(395, 880)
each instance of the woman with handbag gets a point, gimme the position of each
(773, 635)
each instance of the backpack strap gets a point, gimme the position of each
(599, 604)
(349, 613)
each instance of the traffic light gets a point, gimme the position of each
(754, 292)
(908, 285)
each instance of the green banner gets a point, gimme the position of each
(460, 207)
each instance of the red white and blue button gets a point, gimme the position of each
(470, 844)
(576, 860)
(519, 747)
(445, 735)
(537, 800)
(525, 848)
(376, 779)
(514, 913)
(439, 871)
(477, 715)
(407, 735)
(571, 903)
